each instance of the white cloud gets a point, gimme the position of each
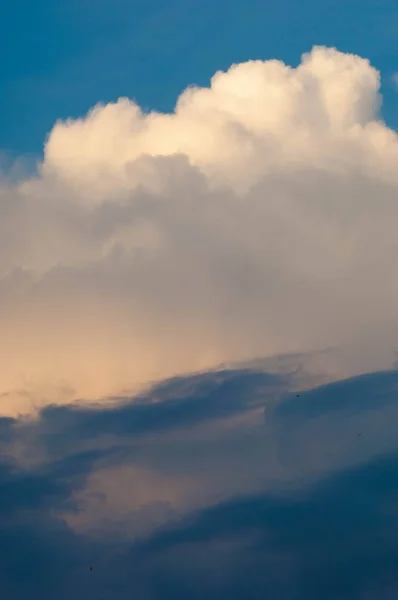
(259, 217)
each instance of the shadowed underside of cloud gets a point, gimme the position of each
(258, 218)
(221, 499)
(334, 541)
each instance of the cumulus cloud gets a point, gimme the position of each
(258, 218)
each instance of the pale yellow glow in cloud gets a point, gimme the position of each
(258, 218)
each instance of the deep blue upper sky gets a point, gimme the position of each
(60, 58)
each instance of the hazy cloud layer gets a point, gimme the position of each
(258, 218)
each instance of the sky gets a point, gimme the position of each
(61, 58)
(198, 300)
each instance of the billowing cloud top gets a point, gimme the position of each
(258, 218)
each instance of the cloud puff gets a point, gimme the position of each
(258, 218)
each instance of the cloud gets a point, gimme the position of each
(202, 505)
(329, 541)
(123, 470)
(256, 219)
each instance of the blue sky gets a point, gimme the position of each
(60, 58)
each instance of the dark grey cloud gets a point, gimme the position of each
(193, 490)
(180, 402)
(335, 540)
